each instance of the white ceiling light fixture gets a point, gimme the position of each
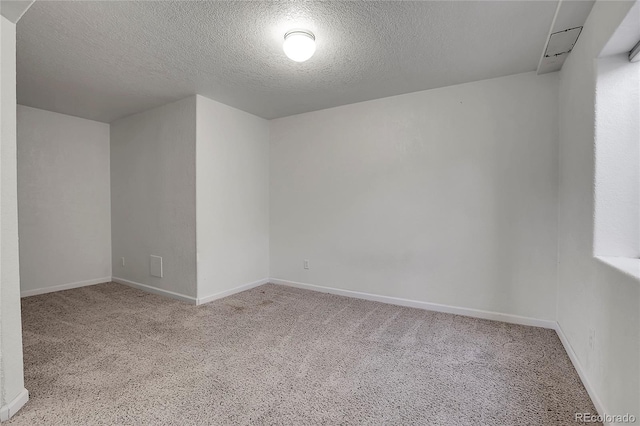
(299, 45)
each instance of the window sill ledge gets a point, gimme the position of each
(629, 266)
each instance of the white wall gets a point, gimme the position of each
(232, 180)
(64, 201)
(593, 296)
(617, 158)
(445, 196)
(11, 368)
(153, 189)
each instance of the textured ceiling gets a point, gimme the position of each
(105, 60)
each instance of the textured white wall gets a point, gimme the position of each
(445, 196)
(64, 200)
(11, 372)
(592, 295)
(617, 196)
(232, 179)
(153, 190)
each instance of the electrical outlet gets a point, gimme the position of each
(122, 261)
(592, 338)
(306, 264)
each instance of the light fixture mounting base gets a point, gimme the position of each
(298, 31)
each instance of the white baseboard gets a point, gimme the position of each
(61, 287)
(155, 290)
(207, 299)
(12, 407)
(581, 372)
(475, 313)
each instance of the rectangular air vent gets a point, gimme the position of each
(155, 266)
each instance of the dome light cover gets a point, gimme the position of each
(299, 45)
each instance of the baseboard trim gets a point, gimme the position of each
(155, 290)
(61, 287)
(475, 313)
(220, 295)
(597, 402)
(14, 406)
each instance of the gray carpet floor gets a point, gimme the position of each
(110, 354)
